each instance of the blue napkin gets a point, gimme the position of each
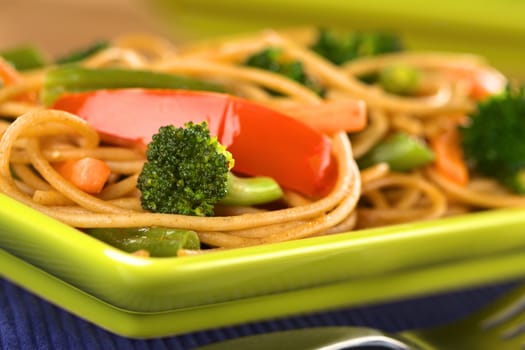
(29, 323)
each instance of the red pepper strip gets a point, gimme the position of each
(263, 142)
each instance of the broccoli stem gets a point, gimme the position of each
(71, 78)
(158, 241)
(251, 190)
(401, 151)
(24, 57)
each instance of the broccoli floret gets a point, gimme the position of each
(493, 140)
(186, 171)
(273, 60)
(341, 46)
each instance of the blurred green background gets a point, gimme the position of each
(495, 29)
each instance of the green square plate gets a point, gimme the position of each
(153, 297)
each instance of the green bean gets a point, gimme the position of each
(401, 151)
(83, 53)
(399, 79)
(158, 241)
(73, 78)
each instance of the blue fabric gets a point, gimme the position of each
(30, 323)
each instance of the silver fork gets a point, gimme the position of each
(499, 326)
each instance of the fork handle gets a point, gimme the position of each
(321, 338)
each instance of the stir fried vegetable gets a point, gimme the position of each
(70, 78)
(83, 53)
(342, 46)
(156, 241)
(273, 60)
(493, 139)
(263, 142)
(24, 57)
(188, 172)
(401, 151)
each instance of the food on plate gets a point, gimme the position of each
(167, 150)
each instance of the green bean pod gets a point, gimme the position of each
(400, 79)
(83, 53)
(158, 241)
(401, 151)
(73, 78)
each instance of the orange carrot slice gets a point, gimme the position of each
(10, 76)
(449, 160)
(331, 116)
(88, 174)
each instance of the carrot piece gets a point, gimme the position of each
(331, 116)
(449, 160)
(88, 174)
(10, 76)
(487, 83)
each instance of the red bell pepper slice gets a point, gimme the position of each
(263, 142)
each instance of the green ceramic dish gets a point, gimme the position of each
(152, 297)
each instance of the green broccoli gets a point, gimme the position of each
(188, 171)
(341, 46)
(273, 60)
(493, 140)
